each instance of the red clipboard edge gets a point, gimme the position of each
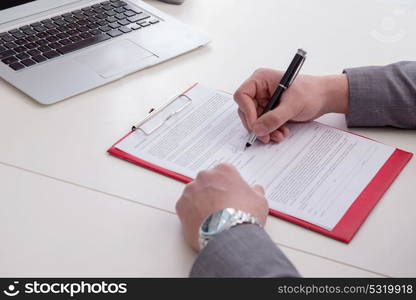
(140, 162)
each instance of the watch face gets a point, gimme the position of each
(216, 222)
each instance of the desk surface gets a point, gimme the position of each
(69, 209)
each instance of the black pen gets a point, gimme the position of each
(287, 79)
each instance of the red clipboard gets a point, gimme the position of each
(352, 220)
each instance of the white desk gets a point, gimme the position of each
(69, 209)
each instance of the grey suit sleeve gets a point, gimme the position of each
(243, 251)
(382, 96)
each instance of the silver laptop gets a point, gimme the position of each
(54, 49)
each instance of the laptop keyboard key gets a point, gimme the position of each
(111, 19)
(62, 35)
(19, 35)
(52, 38)
(35, 24)
(101, 16)
(82, 22)
(28, 62)
(92, 19)
(40, 28)
(70, 19)
(10, 45)
(130, 13)
(94, 32)
(7, 53)
(93, 26)
(134, 26)
(100, 10)
(8, 38)
(42, 42)
(110, 13)
(124, 22)
(89, 13)
(55, 45)
(114, 25)
(120, 16)
(115, 33)
(144, 23)
(21, 41)
(120, 9)
(9, 60)
(76, 38)
(118, 3)
(20, 49)
(125, 29)
(61, 22)
(39, 58)
(66, 42)
(52, 31)
(107, 7)
(134, 18)
(17, 66)
(79, 16)
(23, 55)
(105, 28)
(31, 45)
(29, 31)
(44, 48)
(32, 38)
(143, 16)
(50, 25)
(102, 22)
(42, 35)
(33, 52)
(51, 54)
(73, 32)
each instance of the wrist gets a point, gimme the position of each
(336, 93)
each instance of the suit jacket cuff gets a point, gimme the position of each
(243, 251)
(382, 96)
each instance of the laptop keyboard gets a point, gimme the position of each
(38, 42)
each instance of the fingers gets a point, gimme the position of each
(244, 97)
(254, 94)
(259, 189)
(222, 170)
(280, 134)
(243, 119)
(227, 169)
(273, 119)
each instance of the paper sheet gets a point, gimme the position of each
(315, 174)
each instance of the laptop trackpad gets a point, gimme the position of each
(115, 58)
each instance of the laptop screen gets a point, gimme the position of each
(10, 3)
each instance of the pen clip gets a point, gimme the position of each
(297, 71)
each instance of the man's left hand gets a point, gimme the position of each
(215, 189)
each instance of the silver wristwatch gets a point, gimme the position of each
(222, 220)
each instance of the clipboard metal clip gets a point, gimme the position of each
(158, 117)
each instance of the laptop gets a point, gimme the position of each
(55, 49)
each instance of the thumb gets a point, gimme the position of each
(273, 119)
(259, 189)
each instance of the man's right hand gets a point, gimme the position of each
(308, 98)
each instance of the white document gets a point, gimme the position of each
(315, 174)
